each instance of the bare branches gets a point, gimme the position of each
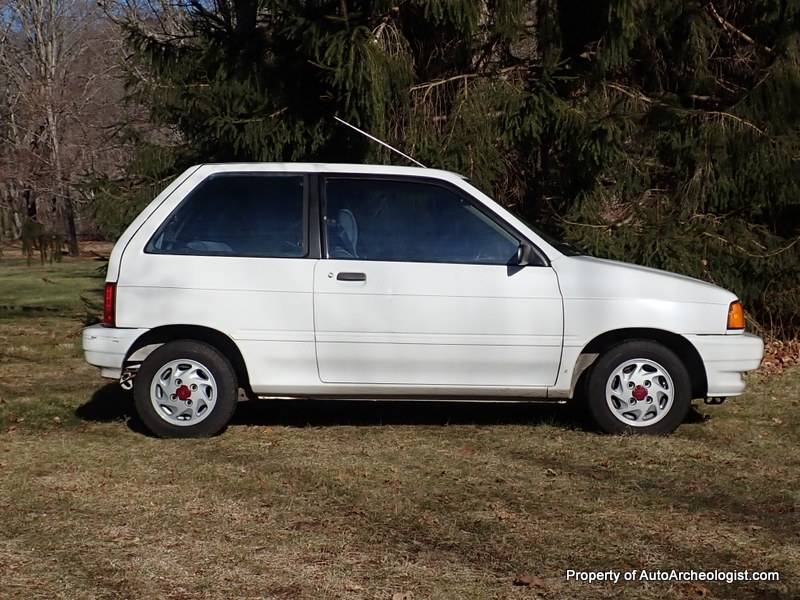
(720, 114)
(744, 251)
(731, 117)
(60, 87)
(432, 84)
(731, 28)
(630, 92)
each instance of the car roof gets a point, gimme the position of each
(316, 167)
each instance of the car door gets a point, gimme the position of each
(418, 287)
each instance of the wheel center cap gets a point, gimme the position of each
(184, 392)
(639, 392)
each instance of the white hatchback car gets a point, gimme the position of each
(325, 280)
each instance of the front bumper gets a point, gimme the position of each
(106, 347)
(727, 358)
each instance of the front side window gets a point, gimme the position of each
(237, 215)
(395, 220)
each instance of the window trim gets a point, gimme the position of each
(308, 246)
(485, 210)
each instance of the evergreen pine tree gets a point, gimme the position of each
(665, 133)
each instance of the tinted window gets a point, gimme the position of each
(410, 221)
(237, 215)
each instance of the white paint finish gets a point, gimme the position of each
(437, 364)
(115, 259)
(726, 358)
(429, 323)
(443, 330)
(274, 364)
(486, 393)
(266, 298)
(603, 295)
(107, 346)
(265, 305)
(586, 277)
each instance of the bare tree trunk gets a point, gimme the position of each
(46, 101)
(30, 205)
(63, 201)
(68, 218)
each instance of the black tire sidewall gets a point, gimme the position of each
(615, 356)
(213, 360)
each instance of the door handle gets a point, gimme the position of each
(344, 276)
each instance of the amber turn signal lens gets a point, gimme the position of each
(736, 316)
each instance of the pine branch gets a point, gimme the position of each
(630, 92)
(637, 95)
(750, 254)
(732, 117)
(464, 76)
(730, 27)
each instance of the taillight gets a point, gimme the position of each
(109, 304)
(735, 315)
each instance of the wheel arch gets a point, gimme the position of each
(153, 338)
(678, 344)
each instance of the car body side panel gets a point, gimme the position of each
(726, 358)
(602, 296)
(437, 324)
(267, 307)
(264, 305)
(179, 186)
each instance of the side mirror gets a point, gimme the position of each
(525, 255)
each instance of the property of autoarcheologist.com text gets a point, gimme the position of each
(670, 575)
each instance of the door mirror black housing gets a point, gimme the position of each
(526, 255)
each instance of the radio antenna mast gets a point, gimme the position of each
(381, 142)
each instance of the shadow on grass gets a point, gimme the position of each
(108, 403)
(332, 412)
(111, 403)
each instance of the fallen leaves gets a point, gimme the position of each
(780, 355)
(501, 512)
(697, 590)
(527, 580)
(353, 587)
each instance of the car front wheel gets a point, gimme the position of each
(639, 386)
(185, 388)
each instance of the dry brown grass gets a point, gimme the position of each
(371, 500)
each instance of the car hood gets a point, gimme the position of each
(589, 277)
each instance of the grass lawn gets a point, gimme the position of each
(319, 499)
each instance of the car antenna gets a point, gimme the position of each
(381, 142)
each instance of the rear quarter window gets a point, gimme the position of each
(235, 214)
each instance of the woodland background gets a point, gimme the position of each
(665, 133)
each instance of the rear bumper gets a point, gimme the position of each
(727, 358)
(106, 347)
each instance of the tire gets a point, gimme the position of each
(653, 401)
(185, 389)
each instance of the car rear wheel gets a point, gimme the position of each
(639, 386)
(185, 389)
